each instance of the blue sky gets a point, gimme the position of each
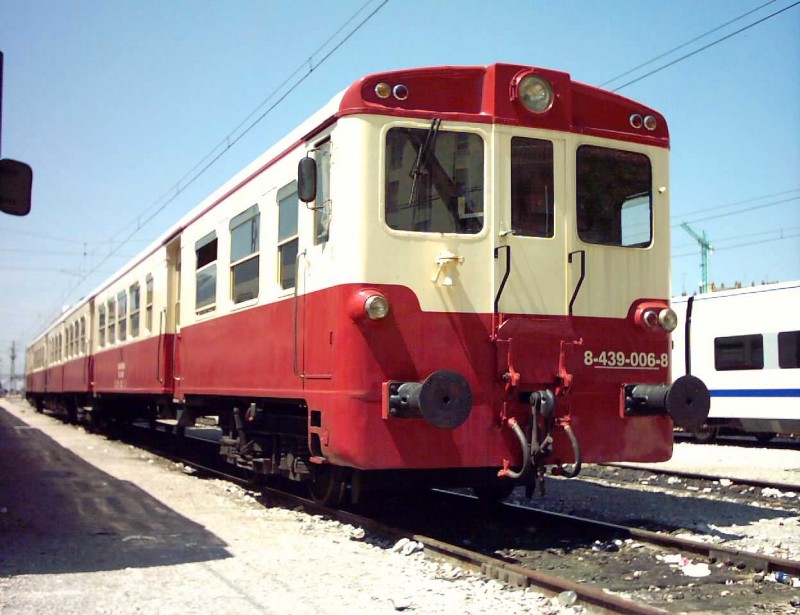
(113, 102)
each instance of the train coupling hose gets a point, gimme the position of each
(576, 451)
(506, 471)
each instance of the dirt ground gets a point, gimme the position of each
(89, 525)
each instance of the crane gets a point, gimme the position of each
(705, 249)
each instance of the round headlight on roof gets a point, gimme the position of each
(535, 93)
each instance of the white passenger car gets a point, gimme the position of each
(745, 345)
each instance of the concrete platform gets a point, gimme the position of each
(60, 514)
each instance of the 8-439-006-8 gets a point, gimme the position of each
(623, 360)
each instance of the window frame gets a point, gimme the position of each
(83, 336)
(148, 308)
(583, 218)
(134, 299)
(286, 242)
(101, 325)
(111, 327)
(323, 205)
(395, 176)
(788, 341)
(750, 360)
(122, 315)
(519, 228)
(208, 265)
(250, 217)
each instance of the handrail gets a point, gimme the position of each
(162, 316)
(583, 275)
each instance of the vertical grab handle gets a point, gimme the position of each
(159, 348)
(580, 281)
(296, 284)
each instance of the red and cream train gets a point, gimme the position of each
(447, 276)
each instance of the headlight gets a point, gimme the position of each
(656, 318)
(535, 93)
(376, 307)
(668, 320)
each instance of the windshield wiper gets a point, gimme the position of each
(420, 166)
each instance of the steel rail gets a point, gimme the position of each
(715, 553)
(750, 482)
(509, 571)
(492, 567)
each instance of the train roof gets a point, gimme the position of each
(480, 94)
(734, 292)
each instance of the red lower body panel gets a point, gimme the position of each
(338, 367)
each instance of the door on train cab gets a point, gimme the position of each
(315, 272)
(618, 227)
(531, 224)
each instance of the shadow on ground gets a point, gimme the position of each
(60, 514)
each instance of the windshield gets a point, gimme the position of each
(434, 180)
(614, 197)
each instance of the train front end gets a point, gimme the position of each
(515, 240)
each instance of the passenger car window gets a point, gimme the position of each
(789, 349)
(739, 352)
(206, 273)
(322, 206)
(287, 235)
(135, 299)
(245, 255)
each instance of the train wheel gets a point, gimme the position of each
(494, 492)
(705, 434)
(327, 485)
(765, 436)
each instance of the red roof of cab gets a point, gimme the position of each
(483, 94)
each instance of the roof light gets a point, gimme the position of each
(400, 91)
(535, 93)
(383, 90)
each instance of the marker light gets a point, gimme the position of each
(535, 93)
(376, 307)
(650, 122)
(636, 120)
(400, 91)
(383, 90)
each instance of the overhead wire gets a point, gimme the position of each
(717, 241)
(203, 166)
(740, 245)
(738, 211)
(705, 47)
(686, 44)
(226, 142)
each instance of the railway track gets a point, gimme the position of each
(709, 479)
(608, 567)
